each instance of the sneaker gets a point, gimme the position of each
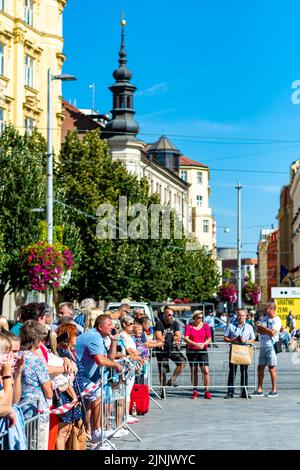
(207, 395)
(121, 433)
(272, 395)
(229, 395)
(257, 394)
(132, 420)
(97, 436)
(195, 395)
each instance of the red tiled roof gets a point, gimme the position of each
(185, 161)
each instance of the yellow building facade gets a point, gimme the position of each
(31, 42)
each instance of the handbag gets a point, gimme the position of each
(77, 437)
(241, 354)
(278, 346)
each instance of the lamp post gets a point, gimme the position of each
(49, 199)
(239, 246)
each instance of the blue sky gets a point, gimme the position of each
(222, 68)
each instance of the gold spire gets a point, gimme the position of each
(123, 21)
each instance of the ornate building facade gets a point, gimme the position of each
(31, 42)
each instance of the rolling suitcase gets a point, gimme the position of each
(140, 395)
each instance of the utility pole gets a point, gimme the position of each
(239, 245)
(49, 199)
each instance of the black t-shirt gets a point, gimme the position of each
(168, 331)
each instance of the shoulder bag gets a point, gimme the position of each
(241, 354)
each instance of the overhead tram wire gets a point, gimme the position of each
(239, 140)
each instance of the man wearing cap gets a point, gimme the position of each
(238, 332)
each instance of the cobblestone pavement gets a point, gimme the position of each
(259, 423)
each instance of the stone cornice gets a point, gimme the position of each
(19, 35)
(5, 36)
(61, 5)
(32, 49)
(61, 58)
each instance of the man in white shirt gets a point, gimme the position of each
(269, 334)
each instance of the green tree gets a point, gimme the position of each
(115, 268)
(22, 188)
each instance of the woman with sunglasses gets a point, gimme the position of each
(129, 348)
(198, 336)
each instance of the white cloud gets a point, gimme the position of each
(155, 113)
(156, 89)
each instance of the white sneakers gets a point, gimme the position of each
(132, 420)
(97, 435)
(121, 433)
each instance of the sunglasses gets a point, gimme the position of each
(130, 323)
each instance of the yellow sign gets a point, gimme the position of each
(284, 306)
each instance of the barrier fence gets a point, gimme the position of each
(218, 358)
(32, 427)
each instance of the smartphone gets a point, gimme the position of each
(62, 338)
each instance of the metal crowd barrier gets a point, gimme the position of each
(218, 356)
(31, 431)
(113, 409)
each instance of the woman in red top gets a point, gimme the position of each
(197, 336)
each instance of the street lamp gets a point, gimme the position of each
(49, 199)
(239, 264)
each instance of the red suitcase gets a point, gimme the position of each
(141, 396)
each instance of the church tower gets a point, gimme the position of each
(122, 122)
(122, 129)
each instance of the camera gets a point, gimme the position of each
(113, 332)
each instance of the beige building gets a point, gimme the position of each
(31, 42)
(294, 275)
(202, 224)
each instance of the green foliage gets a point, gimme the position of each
(112, 269)
(23, 188)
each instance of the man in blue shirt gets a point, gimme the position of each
(94, 355)
(238, 332)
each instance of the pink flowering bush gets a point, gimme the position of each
(42, 265)
(251, 293)
(228, 292)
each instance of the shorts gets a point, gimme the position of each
(197, 357)
(92, 396)
(163, 360)
(267, 357)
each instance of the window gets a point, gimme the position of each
(29, 125)
(199, 201)
(205, 225)
(183, 175)
(1, 59)
(29, 66)
(2, 5)
(2, 123)
(29, 12)
(199, 177)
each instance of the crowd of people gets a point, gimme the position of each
(72, 362)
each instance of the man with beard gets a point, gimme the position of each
(167, 330)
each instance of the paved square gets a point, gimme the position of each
(259, 423)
